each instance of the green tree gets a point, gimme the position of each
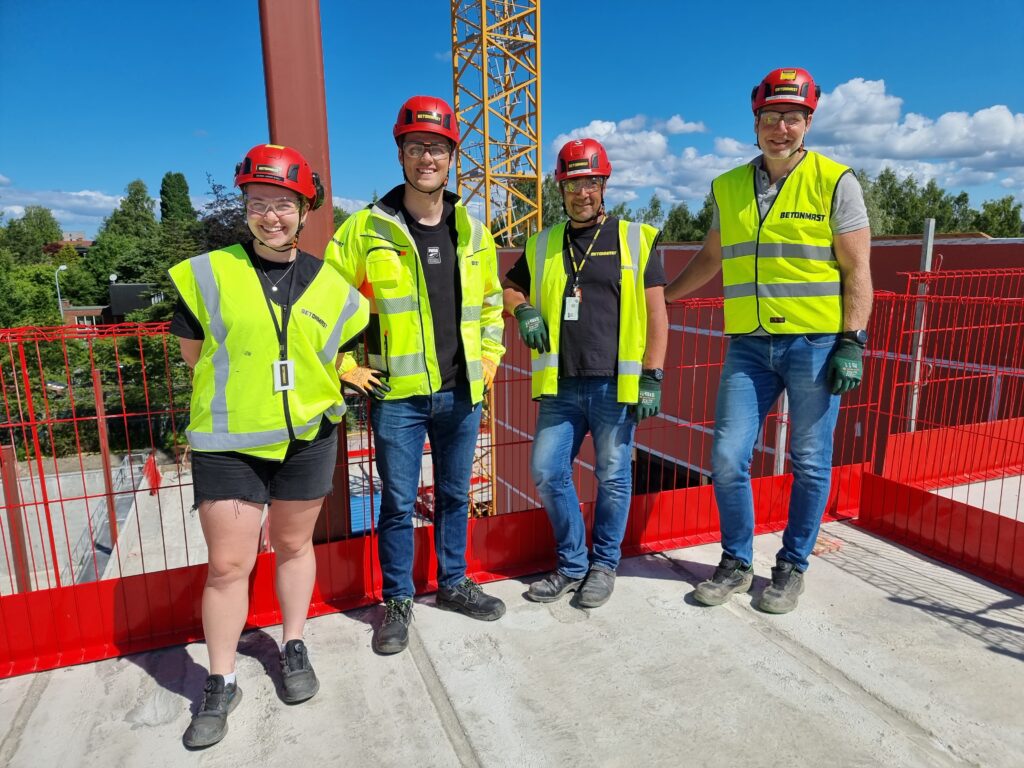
(680, 226)
(620, 211)
(133, 216)
(1000, 218)
(26, 237)
(175, 203)
(340, 214)
(653, 213)
(223, 219)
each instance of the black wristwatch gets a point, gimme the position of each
(655, 373)
(857, 337)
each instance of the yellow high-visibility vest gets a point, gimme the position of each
(781, 274)
(374, 250)
(548, 279)
(234, 405)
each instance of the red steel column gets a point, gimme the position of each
(293, 66)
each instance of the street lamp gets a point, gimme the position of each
(60, 304)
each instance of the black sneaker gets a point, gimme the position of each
(598, 587)
(297, 675)
(552, 587)
(393, 633)
(211, 721)
(731, 577)
(785, 590)
(468, 597)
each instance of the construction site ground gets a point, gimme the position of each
(892, 659)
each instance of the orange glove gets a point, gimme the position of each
(367, 381)
(490, 369)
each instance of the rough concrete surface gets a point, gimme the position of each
(890, 660)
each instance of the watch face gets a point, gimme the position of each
(862, 337)
(656, 373)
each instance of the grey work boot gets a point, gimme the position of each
(785, 590)
(392, 635)
(731, 577)
(297, 675)
(552, 587)
(210, 724)
(468, 598)
(598, 587)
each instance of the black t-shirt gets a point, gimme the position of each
(290, 278)
(436, 245)
(589, 346)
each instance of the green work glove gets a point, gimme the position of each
(649, 402)
(532, 327)
(846, 367)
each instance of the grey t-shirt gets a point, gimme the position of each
(848, 210)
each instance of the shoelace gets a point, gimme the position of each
(397, 609)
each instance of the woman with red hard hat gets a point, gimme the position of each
(261, 323)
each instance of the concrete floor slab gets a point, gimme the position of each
(891, 659)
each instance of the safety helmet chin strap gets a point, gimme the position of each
(412, 184)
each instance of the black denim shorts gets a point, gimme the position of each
(307, 472)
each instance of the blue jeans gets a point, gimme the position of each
(757, 369)
(582, 405)
(452, 423)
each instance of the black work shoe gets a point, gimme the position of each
(552, 587)
(468, 597)
(393, 633)
(598, 587)
(297, 675)
(785, 590)
(211, 721)
(731, 577)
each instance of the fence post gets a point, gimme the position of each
(108, 480)
(917, 340)
(16, 531)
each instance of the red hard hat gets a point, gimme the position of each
(793, 86)
(282, 167)
(429, 114)
(582, 157)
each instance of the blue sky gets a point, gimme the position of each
(96, 94)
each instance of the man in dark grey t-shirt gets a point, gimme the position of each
(790, 235)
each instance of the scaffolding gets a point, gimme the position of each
(496, 65)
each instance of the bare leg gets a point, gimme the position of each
(232, 529)
(291, 535)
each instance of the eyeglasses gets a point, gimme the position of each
(589, 184)
(283, 206)
(415, 149)
(791, 119)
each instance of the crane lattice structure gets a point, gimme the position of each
(496, 62)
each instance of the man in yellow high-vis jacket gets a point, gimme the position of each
(433, 346)
(790, 234)
(588, 297)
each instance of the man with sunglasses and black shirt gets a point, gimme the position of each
(588, 298)
(433, 347)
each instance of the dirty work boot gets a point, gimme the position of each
(393, 633)
(467, 597)
(297, 673)
(598, 587)
(552, 587)
(211, 721)
(785, 590)
(730, 577)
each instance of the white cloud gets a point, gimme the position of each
(676, 124)
(4, 181)
(632, 123)
(349, 204)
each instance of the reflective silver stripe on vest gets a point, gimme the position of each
(739, 249)
(475, 370)
(381, 228)
(630, 368)
(337, 410)
(477, 235)
(397, 305)
(795, 290)
(224, 441)
(539, 257)
(471, 314)
(633, 243)
(739, 290)
(330, 350)
(202, 270)
(492, 332)
(549, 360)
(795, 251)
(376, 362)
(406, 365)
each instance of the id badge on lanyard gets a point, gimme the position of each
(572, 308)
(283, 372)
